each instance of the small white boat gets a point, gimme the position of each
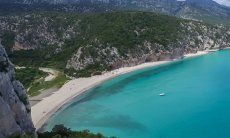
(162, 94)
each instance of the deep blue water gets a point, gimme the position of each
(196, 105)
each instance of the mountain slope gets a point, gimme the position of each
(85, 44)
(203, 10)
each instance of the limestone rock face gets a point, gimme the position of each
(15, 118)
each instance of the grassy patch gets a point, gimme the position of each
(29, 75)
(33, 78)
(36, 87)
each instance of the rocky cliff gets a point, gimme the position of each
(15, 110)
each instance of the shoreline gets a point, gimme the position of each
(44, 109)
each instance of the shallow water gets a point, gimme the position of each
(196, 104)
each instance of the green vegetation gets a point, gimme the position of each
(130, 33)
(122, 30)
(36, 87)
(38, 58)
(29, 75)
(59, 131)
(19, 136)
(8, 41)
(93, 69)
(33, 79)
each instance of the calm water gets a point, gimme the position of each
(196, 105)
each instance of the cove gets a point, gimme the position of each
(196, 104)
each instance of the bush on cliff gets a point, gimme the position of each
(60, 131)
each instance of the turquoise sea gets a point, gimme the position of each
(196, 105)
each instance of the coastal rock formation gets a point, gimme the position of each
(15, 110)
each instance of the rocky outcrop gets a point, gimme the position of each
(15, 118)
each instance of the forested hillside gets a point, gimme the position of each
(202, 10)
(85, 44)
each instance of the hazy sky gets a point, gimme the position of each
(225, 2)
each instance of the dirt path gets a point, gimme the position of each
(52, 73)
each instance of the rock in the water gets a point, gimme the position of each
(15, 116)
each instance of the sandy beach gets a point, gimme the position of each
(44, 109)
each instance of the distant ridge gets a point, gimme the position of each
(202, 10)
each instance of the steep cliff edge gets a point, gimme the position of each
(15, 110)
